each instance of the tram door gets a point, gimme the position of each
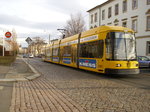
(74, 55)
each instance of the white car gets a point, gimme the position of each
(31, 56)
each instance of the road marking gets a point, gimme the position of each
(1, 87)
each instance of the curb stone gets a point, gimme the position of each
(36, 75)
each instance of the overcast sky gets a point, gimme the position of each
(32, 18)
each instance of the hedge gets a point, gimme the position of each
(7, 60)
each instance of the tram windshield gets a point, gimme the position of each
(120, 46)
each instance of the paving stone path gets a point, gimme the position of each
(41, 96)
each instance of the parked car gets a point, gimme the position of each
(39, 56)
(31, 56)
(143, 61)
(25, 56)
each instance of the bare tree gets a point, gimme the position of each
(36, 46)
(75, 25)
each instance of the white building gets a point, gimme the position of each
(134, 14)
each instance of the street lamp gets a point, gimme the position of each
(49, 38)
(62, 31)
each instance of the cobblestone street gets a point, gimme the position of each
(40, 96)
(64, 89)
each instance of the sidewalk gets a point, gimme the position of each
(18, 71)
(35, 95)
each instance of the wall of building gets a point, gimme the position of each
(139, 13)
(92, 25)
(142, 46)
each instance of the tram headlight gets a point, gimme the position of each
(118, 65)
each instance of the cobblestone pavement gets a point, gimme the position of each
(41, 96)
(89, 90)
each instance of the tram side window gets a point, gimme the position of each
(55, 51)
(92, 49)
(67, 51)
(48, 52)
(101, 48)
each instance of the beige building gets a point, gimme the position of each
(10, 44)
(23, 50)
(134, 14)
(36, 49)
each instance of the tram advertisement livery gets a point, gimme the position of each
(105, 49)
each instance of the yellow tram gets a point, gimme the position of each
(105, 49)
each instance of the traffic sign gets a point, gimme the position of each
(7, 34)
(29, 40)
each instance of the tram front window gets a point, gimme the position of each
(120, 46)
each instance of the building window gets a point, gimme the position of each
(124, 23)
(109, 12)
(148, 48)
(148, 23)
(134, 25)
(95, 17)
(148, 2)
(134, 4)
(95, 26)
(116, 24)
(124, 6)
(116, 9)
(109, 24)
(103, 15)
(91, 19)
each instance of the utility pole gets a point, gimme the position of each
(49, 38)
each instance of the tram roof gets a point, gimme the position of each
(92, 32)
(105, 29)
(74, 37)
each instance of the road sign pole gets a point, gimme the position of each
(29, 41)
(3, 46)
(28, 55)
(7, 35)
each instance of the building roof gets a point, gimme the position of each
(98, 6)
